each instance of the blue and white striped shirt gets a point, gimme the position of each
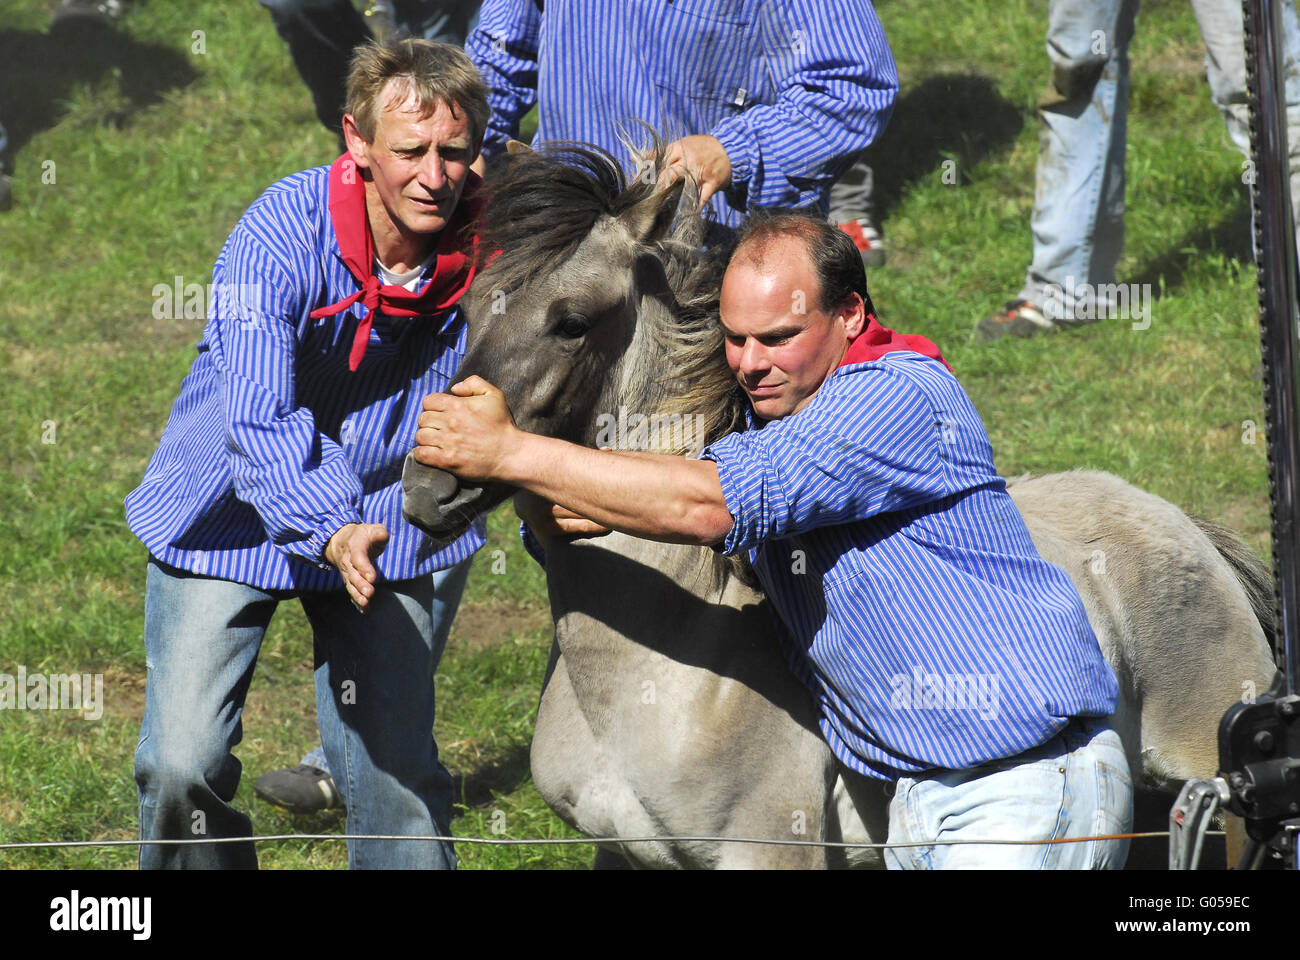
(792, 88)
(273, 444)
(928, 627)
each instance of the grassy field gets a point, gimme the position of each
(135, 159)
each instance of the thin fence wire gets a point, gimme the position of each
(558, 841)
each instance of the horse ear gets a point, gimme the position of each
(650, 219)
(514, 146)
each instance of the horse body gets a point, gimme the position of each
(669, 710)
(668, 707)
(1173, 616)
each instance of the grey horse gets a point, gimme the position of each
(668, 708)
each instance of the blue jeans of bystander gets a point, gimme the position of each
(1078, 222)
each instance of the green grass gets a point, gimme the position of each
(157, 150)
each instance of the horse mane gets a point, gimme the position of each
(543, 203)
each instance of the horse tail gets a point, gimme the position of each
(1254, 575)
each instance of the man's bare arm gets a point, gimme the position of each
(673, 499)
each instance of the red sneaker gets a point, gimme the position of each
(866, 237)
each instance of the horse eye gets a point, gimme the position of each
(573, 325)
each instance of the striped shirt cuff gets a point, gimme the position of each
(731, 493)
(742, 153)
(313, 548)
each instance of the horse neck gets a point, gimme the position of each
(620, 602)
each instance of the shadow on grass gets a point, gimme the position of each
(952, 116)
(1228, 235)
(39, 71)
(502, 776)
(471, 789)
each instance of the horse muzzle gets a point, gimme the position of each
(436, 502)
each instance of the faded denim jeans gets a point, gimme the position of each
(1078, 221)
(1077, 784)
(374, 707)
(853, 195)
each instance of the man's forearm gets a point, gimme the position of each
(659, 497)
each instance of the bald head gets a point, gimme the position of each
(834, 258)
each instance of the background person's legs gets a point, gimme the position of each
(202, 637)
(1225, 69)
(851, 203)
(1078, 222)
(321, 35)
(447, 21)
(375, 709)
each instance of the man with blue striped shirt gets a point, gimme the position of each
(944, 654)
(333, 313)
(769, 100)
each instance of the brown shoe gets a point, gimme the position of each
(1020, 319)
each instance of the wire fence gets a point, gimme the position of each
(558, 841)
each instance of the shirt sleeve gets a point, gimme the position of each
(296, 479)
(504, 48)
(868, 443)
(836, 83)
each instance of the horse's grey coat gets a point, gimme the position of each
(667, 707)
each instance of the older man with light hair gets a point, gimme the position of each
(278, 474)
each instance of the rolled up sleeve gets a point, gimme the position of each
(868, 443)
(836, 83)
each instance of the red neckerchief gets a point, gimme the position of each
(453, 271)
(875, 341)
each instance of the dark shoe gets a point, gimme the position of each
(300, 789)
(1020, 319)
(6, 192)
(868, 239)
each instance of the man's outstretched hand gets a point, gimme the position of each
(351, 549)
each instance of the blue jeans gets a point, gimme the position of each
(1075, 785)
(852, 196)
(1078, 221)
(4, 150)
(374, 706)
(323, 33)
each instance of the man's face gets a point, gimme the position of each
(780, 344)
(418, 164)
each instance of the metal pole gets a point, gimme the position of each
(1275, 258)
